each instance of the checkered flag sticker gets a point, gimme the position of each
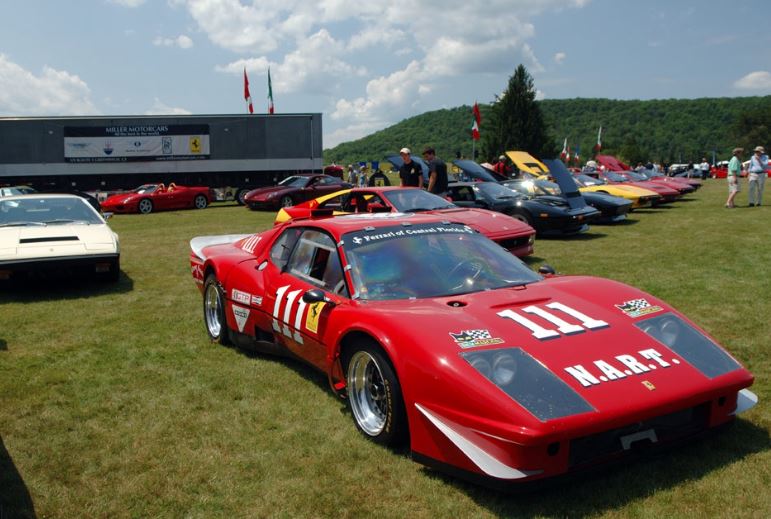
(637, 307)
(471, 335)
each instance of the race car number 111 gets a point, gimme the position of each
(563, 327)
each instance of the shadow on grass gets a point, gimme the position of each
(610, 487)
(584, 236)
(62, 288)
(623, 223)
(15, 500)
(3, 345)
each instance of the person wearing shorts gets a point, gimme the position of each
(734, 170)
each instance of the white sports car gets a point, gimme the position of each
(43, 232)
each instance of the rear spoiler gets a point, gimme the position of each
(199, 243)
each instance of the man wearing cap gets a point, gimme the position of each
(410, 174)
(757, 176)
(734, 170)
(437, 172)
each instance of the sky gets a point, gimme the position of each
(368, 64)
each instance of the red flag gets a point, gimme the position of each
(247, 95)
(598, 146)
(270, 94)
(477, 122)
(565, 154)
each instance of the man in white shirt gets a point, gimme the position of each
(757, 176)
(704, 167)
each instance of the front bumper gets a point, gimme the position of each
(89, 264)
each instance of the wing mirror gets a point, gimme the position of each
(316, 296)
(546, 270)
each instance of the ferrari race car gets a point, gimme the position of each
(639, 196)
(513, 235)
(439, 338)
(45, 233)
(157, 197)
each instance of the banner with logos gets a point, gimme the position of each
(136, 143)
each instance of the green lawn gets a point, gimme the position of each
(113, 403)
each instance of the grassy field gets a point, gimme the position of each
(113, 403)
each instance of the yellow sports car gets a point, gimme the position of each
(639, 196)
(527, 163)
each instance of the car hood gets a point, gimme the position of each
(263, 192)
(120, 199)
(487, 222)
(595, 347)
(56, 240)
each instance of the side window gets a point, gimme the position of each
(282, 248)
(335, 203)
(315, 260)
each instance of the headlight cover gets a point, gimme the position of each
(689, 343)
(528, 382)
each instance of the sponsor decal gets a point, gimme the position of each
(195, 144)
(196, 269)
(474, 338)
(256, 300)
(563, 327)
(638, 307)
(620, 367)
(649, 385)
(241, 314)
(312, 319)
(434, 229)
(282, 320)
(240, 297)
(250, 243)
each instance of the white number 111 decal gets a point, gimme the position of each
(563, 327)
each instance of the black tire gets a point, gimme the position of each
(241, 196)
(200, 202)
(524, 217)
(375, 395)
(145, 206)
(214, 311)
(286, 201)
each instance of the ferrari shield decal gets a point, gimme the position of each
(474, 338)
(241, 314)
(638, 307)
(312, 319)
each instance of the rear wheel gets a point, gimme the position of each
(286, 201)
(145, 206)
(374, 395)
(200, 202)
(214, 311)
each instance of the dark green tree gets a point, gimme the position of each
(515, 121)
(753, 129)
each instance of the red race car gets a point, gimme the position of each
(157, 197)
(293, 190)
(513, 235)
(440, 338)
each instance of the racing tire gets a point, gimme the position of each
(286, 201)
(523, 217)
(214, 311)
(145, 206)
(375, 395)
(200, 202)
(241, 196)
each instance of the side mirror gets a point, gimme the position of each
(316, 296)
(107, 215)
(546, 270)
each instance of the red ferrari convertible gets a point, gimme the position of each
(513, 235)
(157, 197)
(439, 338)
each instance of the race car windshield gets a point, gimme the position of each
(145, 189)
(294, 181)
(428, 260)
(47, 211)
(495, 190)
(414, 200)
(586, 180)
(615, 177)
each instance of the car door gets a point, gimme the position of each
(307, 259)
(163, 199)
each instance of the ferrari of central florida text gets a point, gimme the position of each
(439, 338)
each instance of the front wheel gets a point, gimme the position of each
(145, 206)
(214, 311)
(200, 202)
(375, 395)
(523, 218)
(241, 196)
(286, 201)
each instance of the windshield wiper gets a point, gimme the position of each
(419, 209)
(22, 224)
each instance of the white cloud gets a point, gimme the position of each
(540, 95)
(758, 80)
(160, 108)
(181, 41)
(559, 58)
(53, 92)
